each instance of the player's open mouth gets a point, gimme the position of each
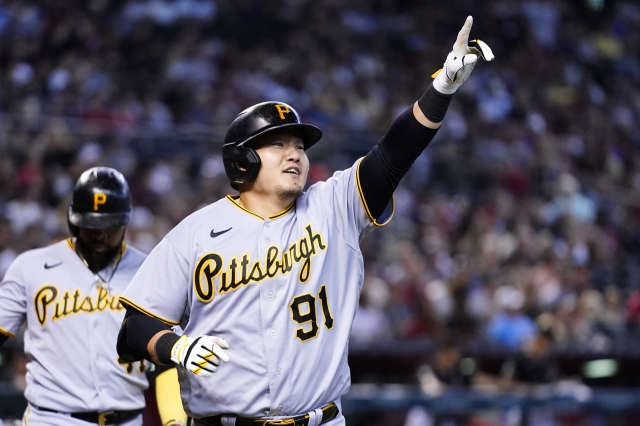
(293, 170)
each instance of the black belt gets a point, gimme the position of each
(329, 412)
(111, 417)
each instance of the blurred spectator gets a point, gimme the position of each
(530, 372)
(510, 327)
(633, 309)
(532, 365)
(7, 253)
(16, 361)
(371, 325)
(446, 369)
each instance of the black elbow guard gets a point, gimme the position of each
(124, 351)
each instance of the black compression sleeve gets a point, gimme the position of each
(384, 166)
(135, 333)
(3, 339)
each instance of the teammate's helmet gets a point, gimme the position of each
(101, 200)
(241, 162)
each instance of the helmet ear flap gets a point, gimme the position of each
(242, 165)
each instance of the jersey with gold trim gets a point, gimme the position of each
(73, 318)
(283, 291)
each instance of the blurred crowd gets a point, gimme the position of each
(522, 217)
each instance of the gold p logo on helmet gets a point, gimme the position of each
(98, 199)
(282, 110)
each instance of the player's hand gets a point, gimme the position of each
(200, 355)
(461, 60)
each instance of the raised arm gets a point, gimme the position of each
(384, 166)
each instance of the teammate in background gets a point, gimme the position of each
(268, 281)
(68, 295)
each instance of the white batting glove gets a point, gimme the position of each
(200, 355)
(461, 60)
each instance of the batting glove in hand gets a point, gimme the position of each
(200, 355)
(461, 60)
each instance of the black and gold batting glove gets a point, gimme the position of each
(201, 355)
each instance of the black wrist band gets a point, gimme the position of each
(163, 347)
(434, 104)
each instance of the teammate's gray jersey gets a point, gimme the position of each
(283, 291)
(72, 328)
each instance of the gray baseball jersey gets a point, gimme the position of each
(283, 291)
(73, 318)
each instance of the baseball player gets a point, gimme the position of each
(68, 295)
(265, 284)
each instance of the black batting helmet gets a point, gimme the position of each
(241, 162)
(101, 200)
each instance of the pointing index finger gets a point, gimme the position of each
(460, 47)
